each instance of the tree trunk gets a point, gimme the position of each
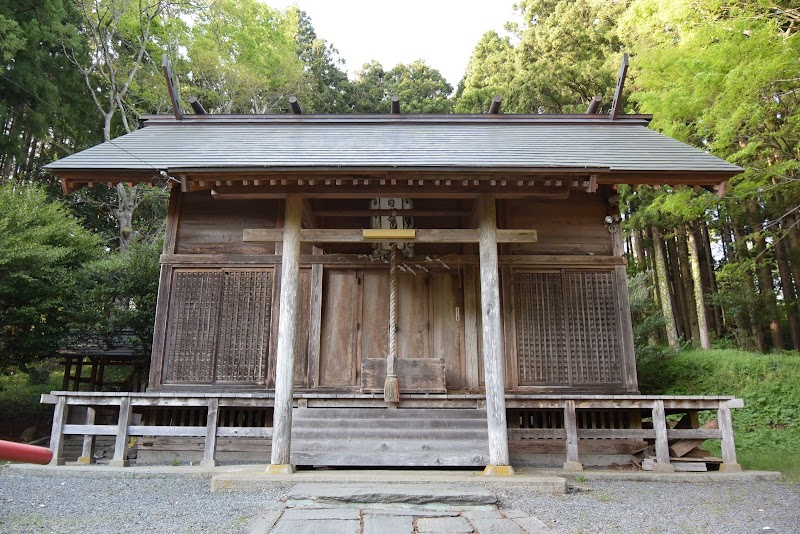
(789, 292)
(713, 288)
(764, 271)
(666, 306)
(123, 214)
(638, 250)
(793, 246)
(686, 278)
(682, 319)
(699, 297)
(751, 317)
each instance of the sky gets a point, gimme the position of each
(442, 32)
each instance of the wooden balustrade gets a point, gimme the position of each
(571, 431)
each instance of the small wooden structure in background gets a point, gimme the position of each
(514, 330)
(97, 353)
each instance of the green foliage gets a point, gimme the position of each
(19, 404)
(768, 427)
(243, 57)
(421, 88)
(119, 293)
(327, 88)
(40, 247)
(648, 320)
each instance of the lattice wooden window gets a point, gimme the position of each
(193, 319)
(219, 324)
(593, 327)
(244, 326)
(567, 328)
(541, 345)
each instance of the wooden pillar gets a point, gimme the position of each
(287, 327)
(492, 338)
(662, 445)
(729, 464)
(57, 434)
(87, 452)
(210, 449)
(573, 463)
(120, 459)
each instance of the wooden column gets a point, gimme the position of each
(573, 463)
(729, 463)
(210, 449)
(119, 459)
(57, 434)
(662, 445)
(287, 327)
(88, 439)
(492, 338)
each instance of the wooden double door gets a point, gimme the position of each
(355, 324)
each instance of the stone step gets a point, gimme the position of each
(390, 494)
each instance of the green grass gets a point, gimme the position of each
(767, 429)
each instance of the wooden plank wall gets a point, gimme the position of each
(344, 308)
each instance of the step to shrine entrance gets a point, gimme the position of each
(390, 495)
(375, 437)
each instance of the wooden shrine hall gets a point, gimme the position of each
(395, 290)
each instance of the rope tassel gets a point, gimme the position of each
(391, 387)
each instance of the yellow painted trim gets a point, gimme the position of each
(389, 234)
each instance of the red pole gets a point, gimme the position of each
(19, 452)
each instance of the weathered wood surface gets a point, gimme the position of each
(565, 228)
(492, 332)
(57, 432)
(662, 443)
(208, 226)
(367, 437)
(571, 434)
(728, 446)
(120, 458)
(423, 235)
(338, 359)
(413, 374)
(549, 260)
(284, 373)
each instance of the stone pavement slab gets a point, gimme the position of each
(330, 526)
(443, 525)
(497, 526)
(311, 514)
(388, 524)
(531, 524)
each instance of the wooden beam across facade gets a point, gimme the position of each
(327, 235)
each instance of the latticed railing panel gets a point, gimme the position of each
(541, 344)
(593, 328)
(244, 326)
(192, 332)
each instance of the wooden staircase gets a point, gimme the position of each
(373, 437)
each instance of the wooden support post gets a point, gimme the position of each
(87, 452)
(120, 459)
(662, 445)
(210, 449)
(57, 434)
(573, 463)
(729, 464)
(287, 327)
(315, 321)
(492, 338)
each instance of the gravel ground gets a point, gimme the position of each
(185, 504)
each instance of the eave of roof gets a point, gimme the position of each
(622, 150)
